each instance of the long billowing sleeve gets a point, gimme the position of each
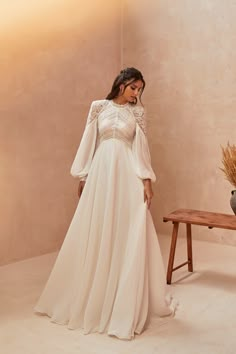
(84, 156)
(140, 149)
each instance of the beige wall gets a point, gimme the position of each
(186, 50)
(55, 58)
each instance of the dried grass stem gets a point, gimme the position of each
(229, 163)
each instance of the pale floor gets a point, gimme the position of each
(205, 321)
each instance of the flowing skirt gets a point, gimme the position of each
(109, 274)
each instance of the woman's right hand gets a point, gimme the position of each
(80, 188)
(148, 193)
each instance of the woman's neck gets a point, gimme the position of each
(120, 100)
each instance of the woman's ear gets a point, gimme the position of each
(122, 88)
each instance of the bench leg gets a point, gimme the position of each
(172, 252)
(189, 247)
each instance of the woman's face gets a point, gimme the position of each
(132, 91)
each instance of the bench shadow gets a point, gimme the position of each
(209, 279)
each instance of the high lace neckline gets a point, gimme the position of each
(119, 105)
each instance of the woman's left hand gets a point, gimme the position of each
(148, 193)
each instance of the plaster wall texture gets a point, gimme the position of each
(55, 58)
(186, 51)
(58, 56)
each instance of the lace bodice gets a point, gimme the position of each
(115, 120)
(106, 120)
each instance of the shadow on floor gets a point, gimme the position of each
(209, 279)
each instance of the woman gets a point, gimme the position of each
(109, 275)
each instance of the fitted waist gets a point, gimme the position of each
(115, 134)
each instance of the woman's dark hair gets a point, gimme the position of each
(126, 77)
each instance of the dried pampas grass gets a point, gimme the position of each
(229, 163)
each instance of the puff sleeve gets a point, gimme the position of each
(140, 148)
(84, 156)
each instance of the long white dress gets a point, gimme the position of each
(109, 274)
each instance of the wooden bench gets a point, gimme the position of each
(193, 217)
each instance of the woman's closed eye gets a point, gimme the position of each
(134, 88)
